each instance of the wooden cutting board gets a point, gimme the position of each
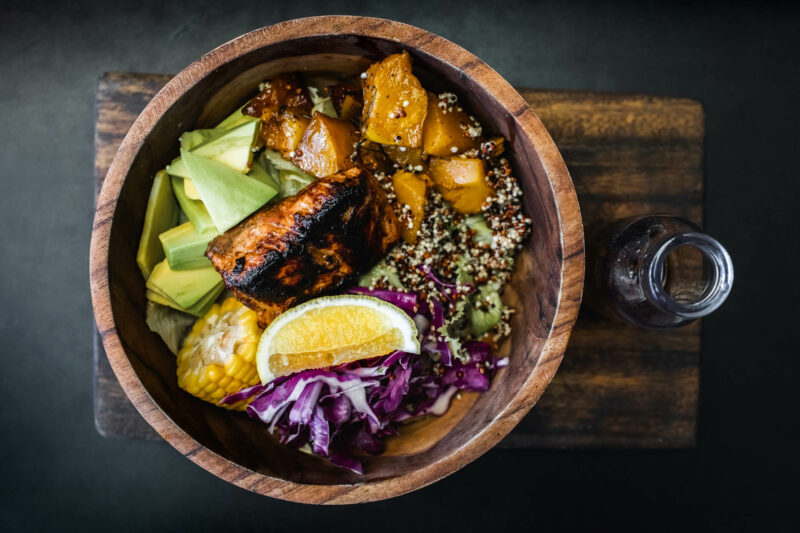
(619, 386)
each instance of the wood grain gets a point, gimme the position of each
(619, 386)
(119, 100)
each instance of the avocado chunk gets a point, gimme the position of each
(233, 147)
(161, 214)
(381, 271)
(235, 119)
(194, 210)
(198, 309)
(262, 172)
(483, 234)
(177, 168)
(184, 287)
(486, 312)
(228, 195)
(185, 248)
(192, 139)
(190, 189)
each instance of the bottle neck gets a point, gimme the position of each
(713, 284)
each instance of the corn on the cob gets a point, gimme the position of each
(218, 355)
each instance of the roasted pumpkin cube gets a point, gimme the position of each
(371, 156)
(410, 190)
(350, 108)
(461, 181)
(408, 158)
(326, 146)
(284, 130)
(347, 99)
(447, 129)
(395, 104)
(284, 90)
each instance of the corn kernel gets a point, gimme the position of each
(211, 373)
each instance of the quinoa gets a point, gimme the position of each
(448, 248)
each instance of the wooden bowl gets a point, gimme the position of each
(546, 288)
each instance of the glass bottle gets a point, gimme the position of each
(656, 271)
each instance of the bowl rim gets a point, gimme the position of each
(572, 267)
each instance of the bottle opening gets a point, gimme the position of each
(688, 275)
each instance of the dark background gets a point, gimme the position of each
(739, 60)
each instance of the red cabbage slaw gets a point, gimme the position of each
(347, 409)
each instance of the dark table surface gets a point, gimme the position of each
(740, 61)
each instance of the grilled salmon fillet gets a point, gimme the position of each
(308, 244)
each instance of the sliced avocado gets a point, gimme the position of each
(198, 309)
(192, 139)
(483, 233)
(261, 173)
(190, 189)
(235, 119)
(177, 168)
(184, 287)
(482, 321)
(461, 269)
(159, 298)
(381, 270)
(185, 248)
(228, 195)
(161, 214)
(195, 211)
(234, 148)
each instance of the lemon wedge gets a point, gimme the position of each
(333, 330)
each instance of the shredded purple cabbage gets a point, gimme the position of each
(347, 410)
(450, 290)
(407, 301)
